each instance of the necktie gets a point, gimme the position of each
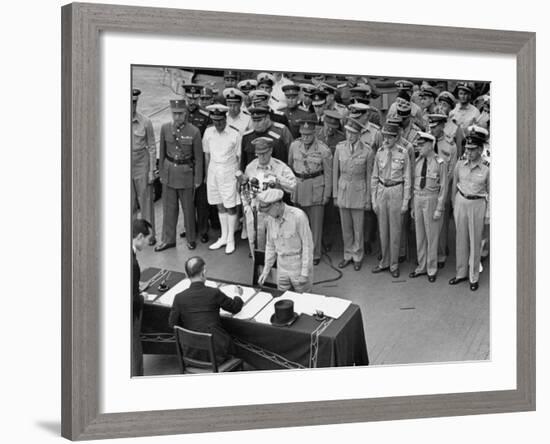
(423, 173)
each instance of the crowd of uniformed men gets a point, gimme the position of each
(383, 181)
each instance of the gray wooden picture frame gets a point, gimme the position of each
(81, 171)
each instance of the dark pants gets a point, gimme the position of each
(137, 351)
(170, 198)
(201, 204)
(331, 225)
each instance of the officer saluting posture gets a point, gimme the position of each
(311, 161)
(181, 173)
(430, 189)
(289, 242)
(391, 192)
(470, 193)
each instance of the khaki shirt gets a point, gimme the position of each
(464, 117)
(332, 140)
(144, 151)
(276, 169)
(436, 179)
(289, 240)
(472, 179)
(392, 165)
(352, 168)
(318, 158)
(372, 136)
(446, 149)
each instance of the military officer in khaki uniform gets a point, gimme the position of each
(391, 192)
(430, 190)
(311, 161)
(266, 172)
(470, 194)
(144, 160)
(289, 242)
(447, 150)
(181, 173)
(331, 135)
(464, 113)
(351, 192)
(445, 104)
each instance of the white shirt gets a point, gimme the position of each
(224, 147)
(278, 98)
(242, 122)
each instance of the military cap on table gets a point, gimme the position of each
(404, 85)
(291, 89)
(422, 137)
(265, 78)
(192, 90)
(436, 118)
(354, 125)
(390, 129)
(178, 105)
(233, 95)
(319, 97)
(258, 112)
(262, 144)
(217, 111)
(332, 118)
(135, 94)
(448, 97)
(271, 195)
(247, 85)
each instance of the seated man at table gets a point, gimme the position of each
(198, 309)
(289, 240)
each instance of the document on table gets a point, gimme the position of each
(232, 290)
(308, 303)
(264, 316)
(254, 305)
(212, 284)
(168, 297)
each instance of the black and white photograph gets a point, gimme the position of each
(302, 220)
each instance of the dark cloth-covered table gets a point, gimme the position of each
(307, 343)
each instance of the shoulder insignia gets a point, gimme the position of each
(402, 149)
(274, 135)
(278, 124)
(279, 113)
(250, 131)
(375, 126)
(232, 127)
(341, 85)
(486, 163)
(449, 139)
(204, 113)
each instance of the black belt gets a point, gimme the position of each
(391, 183)
(470, 197)
(179, 161)
(309, 176)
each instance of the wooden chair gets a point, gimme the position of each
(201, 341)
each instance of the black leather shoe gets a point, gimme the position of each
(440, 265)
(191, 245)
(414, 274)
(474, 286)
(182, 234)
(379, 269)
(456, 280)
(164, 246)
(357, 266)
(344, 263)
(152, 241)
(395, 273)
(316, 261)
(432, 278)
(205, 238)
(402, 259)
